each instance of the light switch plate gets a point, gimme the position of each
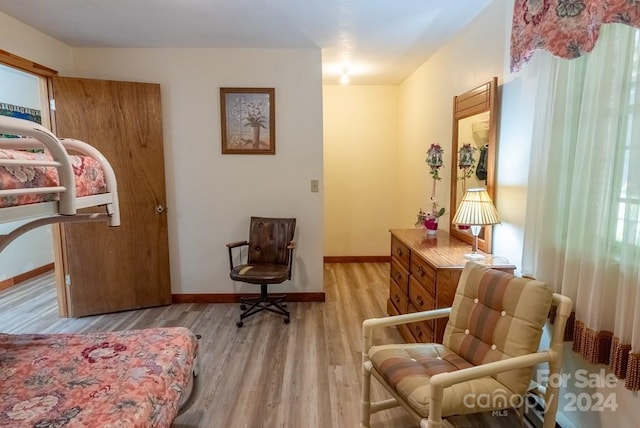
(315, 186)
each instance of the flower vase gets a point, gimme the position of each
(255, 137)
(432, 225)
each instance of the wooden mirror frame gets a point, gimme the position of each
(479, 100)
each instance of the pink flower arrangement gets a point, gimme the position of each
(430, 220)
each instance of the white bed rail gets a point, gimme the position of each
(109, 176)
(25, 128)
(63, 210)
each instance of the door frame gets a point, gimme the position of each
(45, 73)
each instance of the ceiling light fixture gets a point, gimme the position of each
(344, 79)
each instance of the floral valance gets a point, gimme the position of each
(566, 28)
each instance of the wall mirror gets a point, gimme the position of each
(475, 119)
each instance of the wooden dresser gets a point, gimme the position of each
(424, 275)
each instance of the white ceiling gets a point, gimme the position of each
(377, 41)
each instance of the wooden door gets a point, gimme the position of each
(110, 269)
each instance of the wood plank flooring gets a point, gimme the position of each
(266, 374)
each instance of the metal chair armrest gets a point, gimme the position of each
(237, 244)
(291, 247)
(231, 246)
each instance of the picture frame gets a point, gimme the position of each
(248, 121)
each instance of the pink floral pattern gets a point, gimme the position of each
(103, 351)
(133, 378)
(566, 28)
(88, 172)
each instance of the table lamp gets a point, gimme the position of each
(476, 210)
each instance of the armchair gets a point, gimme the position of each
(486, 360)
(269, 260)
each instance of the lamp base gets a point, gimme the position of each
(474, 256)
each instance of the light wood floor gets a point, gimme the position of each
(266, 374)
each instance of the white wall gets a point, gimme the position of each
(360, 169)
(478, 53)
(211, 196)
(22, 40)
(426, 104)
(35, 248)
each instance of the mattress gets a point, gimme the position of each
(90, 179)
(135, 378)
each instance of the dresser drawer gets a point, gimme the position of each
(424, 273)
(421, 299)
(400, 275)
(398, 297)
(391, 308)
(446, 288)
(404, 331)
(400, 252)
(421, 331)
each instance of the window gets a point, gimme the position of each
(627, 221)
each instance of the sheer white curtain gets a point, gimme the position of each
(582, 232)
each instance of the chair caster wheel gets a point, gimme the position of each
(239, 323)
(287, 320)
(243, 307)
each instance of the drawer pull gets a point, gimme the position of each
(420, 301)
(397, 276)
(420, 271)
(399, 251)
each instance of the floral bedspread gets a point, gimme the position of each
(134, 378)
(88, 172)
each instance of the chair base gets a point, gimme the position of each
(265, 302)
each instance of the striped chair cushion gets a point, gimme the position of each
(494, 316)
(408, 369)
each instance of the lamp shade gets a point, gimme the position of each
(476, 209)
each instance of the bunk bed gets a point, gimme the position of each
(133, 378)
(42, 183)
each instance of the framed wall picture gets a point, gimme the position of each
(248, 121)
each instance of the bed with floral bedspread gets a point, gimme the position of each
(89, 176)
(135, 378)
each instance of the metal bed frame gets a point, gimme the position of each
(65, 208)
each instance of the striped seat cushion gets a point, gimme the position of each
(408, 369)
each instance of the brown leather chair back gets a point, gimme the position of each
(269, 238)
